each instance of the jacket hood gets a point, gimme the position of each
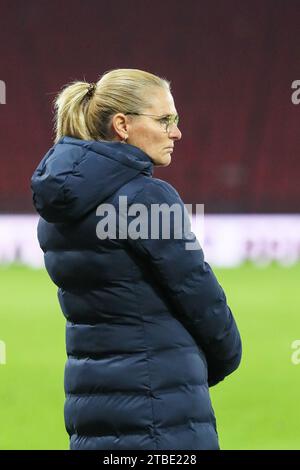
(75, 176)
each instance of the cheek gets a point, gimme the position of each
(147, 138)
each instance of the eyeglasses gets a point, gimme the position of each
(166, 121)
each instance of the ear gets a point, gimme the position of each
(119, 126)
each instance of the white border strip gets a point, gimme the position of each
(228, 240)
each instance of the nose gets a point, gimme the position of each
(175, 133)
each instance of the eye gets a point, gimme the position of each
(165, 120)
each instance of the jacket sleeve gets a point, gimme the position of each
(189, 284)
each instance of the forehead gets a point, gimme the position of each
(161, 101)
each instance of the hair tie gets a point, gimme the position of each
(91, 89)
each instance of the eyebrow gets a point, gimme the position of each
(168, 114)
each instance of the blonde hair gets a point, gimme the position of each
(84, 110)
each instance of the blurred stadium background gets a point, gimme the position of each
(232, 65)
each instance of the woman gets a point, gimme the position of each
(148, 328)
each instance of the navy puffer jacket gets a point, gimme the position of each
(148, 328)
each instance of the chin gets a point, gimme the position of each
(165, 161)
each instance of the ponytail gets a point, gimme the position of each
(84, 110)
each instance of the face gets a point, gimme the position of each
(149, 134)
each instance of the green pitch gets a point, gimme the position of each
(256, 408)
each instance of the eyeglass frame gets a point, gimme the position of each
(174, 119)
